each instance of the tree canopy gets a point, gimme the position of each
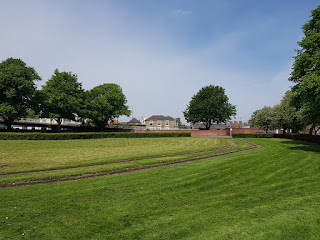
(307, 60)
(104, 103)
(17, 89)
(62, 96)
(281, 116)
(210, 105)
(286, 115)
(264, 118)
(307, 99)
(306, 72)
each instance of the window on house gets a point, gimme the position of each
(159, 123)
(167, 122)
(151, 123)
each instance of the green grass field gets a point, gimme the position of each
(272, 192)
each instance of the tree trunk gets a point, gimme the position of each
(208, 124)
(59, 124)
(312, 128)
(284, 131)
(8, 123)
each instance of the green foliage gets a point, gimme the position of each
(281, 116)
(62, 96)
(252, 135)
(68, 136)
(307, 60)
(104, 103)
(264, 118)
(17, 89)
(306, 72)
(209, 105)
(307, 99)
(287, 116)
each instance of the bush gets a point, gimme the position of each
(67, 136)
(252, 135)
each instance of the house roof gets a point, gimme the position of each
(239, 124)
(160, 117)
(134, 120)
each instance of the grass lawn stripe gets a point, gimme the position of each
(128, 170)
(22, 156)
(271, 192)
(231, 145)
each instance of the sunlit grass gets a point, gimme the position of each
(271, 192)
(25, 155)
(111, 166)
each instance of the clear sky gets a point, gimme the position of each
(161, 52)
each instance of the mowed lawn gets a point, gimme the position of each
(28, 155)
(272, 192)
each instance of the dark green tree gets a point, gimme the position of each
(307, 99)
(104, 103)
(307, 60)
(62, 97)
(17, 89)
(208, 106)
(306, 71)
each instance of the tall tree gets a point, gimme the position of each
(306, 71)
(307, 60)
(264, 118)
(209, 105)
(307, 98)
(17, 89)
(62, 97)
(104, 103)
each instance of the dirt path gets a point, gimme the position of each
(253, 146)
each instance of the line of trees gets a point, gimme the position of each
(300, 108)
(281, 116)
(62, 97)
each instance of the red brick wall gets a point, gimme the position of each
(211, 132)
(247, 130)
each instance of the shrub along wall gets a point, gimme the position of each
(67, 136)
(302, 137)
(252, 135)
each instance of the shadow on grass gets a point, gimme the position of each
(302, 145)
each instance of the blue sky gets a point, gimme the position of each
(161, 52)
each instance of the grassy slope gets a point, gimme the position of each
(24, 155)
(268, 193)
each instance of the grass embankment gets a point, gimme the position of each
(271, 192)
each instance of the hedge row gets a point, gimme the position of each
(301, 137)
(67, 136)
(252, 135)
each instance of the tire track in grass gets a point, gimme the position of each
(231, 145)
(253, 146)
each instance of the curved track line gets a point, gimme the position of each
(253, 146)
(232, 144)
